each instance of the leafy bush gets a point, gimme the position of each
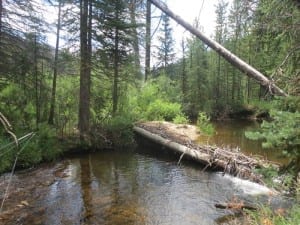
(6, 156)
(181, 119)
(203, 122)
(47, 142)
(120, 130)
(162, 110)
(42, 147)
(283, 131)
(31, 155)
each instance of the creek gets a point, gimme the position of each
(143, 187)
(231, 133)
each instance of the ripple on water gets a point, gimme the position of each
(125, 188)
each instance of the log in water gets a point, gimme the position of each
(230, 161)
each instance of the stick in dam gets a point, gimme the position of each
(207, 155)
(198, 156)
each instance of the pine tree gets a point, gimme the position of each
(55, 69)
(148, 40)
(115, 39)
(85, 68)
(220, 37)
(165, 53)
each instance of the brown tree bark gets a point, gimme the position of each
(37, 83)
(226, 54)
(1, 15)
(53, 92)
(116, 73)
(183, 74)
(148, 40)
(135, 41)
(85, 72)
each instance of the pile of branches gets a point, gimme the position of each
(230, 161)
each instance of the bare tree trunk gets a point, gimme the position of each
(53, 94)
(135, 42)
(226, 54)
(37, 83)
(116, 68)
(183, 75)
(148, 40)
(1, 15)
(84, 95)
(116, 74)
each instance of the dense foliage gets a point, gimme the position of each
(282, 132)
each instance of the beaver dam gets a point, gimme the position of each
(182, 139)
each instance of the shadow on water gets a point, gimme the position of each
(114, 188)
(142, 187)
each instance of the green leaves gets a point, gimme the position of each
(283, 132)
(203, 122)
(162, 110)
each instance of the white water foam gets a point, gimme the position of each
(250, 188)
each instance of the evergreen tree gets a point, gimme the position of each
(55, 69)
(165, 53)
(148, 40)
(85, 67)
(134, 8)
(276, 33)
(198, 85)
(115, 39)
(220, 81)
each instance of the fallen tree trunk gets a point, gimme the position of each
(236, 164)
(226, 54)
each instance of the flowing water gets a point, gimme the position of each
(142, 187)
(130, 188)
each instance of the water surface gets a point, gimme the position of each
(231, 133)
(125, 188)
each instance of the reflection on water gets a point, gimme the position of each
(231, 134)
(114, 188)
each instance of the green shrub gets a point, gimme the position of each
(31, 154)
(181, 119)
(47, 142)
(203, 123)
(41, 147)
(282, 133)
(162, 110)
(6, 156)
(120, 130)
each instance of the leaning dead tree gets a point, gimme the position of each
(225, 53)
